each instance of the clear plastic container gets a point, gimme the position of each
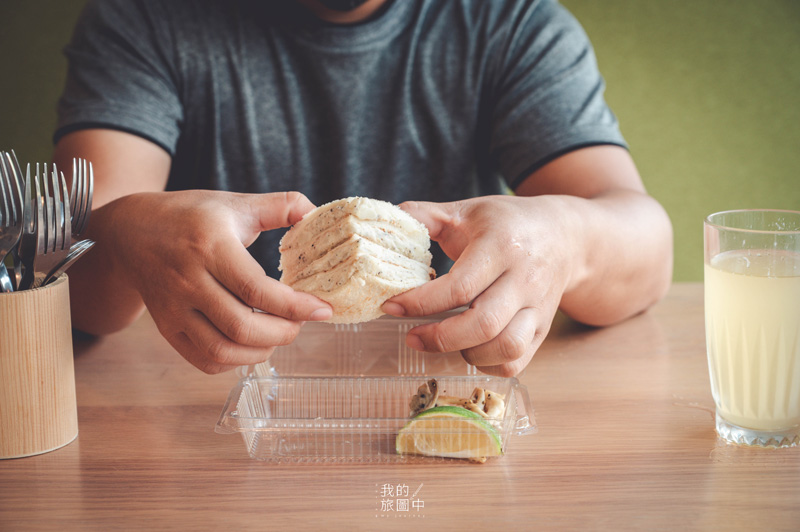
(342, 392)
(373, 349)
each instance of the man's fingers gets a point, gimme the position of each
(279, 209)
(517, 342)
(486, 318)
(434, 216)
(446, 222)
(510, 369)
(188, 350)
(240, 322)
(239, 272)
(215, 347)
(472, 273)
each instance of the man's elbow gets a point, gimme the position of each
(104, 324)
(622, 301)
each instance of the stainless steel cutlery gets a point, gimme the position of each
(40, 220)
(11, 214)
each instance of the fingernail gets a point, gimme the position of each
(393, 309)
(321, 314)
(414, 342)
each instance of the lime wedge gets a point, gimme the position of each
(450, 432)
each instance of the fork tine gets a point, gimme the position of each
(74, 186)
(52, 219)
(84, 178)
(18, 192)
(5, 209)
(50, 230)
(65, 221)
(89, 195)
(63, 215)
(39, 224)
(57, 212)
(41, 221)
(37, 197)
(27, 225)
(78, 186)
(44, 194)
(10, 190)
(83, 189)
(29, 242)
(87, 198)
(29, 218)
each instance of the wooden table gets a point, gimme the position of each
(626, 441)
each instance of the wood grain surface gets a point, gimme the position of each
(38, 410)
(626, 441)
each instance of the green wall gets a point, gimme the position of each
(708, 96)
(32, 34)
(707, 92)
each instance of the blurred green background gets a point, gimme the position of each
(707, 92)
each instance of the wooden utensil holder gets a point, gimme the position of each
(38, 410)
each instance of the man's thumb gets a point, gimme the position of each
(435, 216)
(279, 209)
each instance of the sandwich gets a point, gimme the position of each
(354, 254)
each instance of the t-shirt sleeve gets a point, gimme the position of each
(549, 93)
(121, 73)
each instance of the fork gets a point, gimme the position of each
(29, 242)
(54, 231)
(11, 216)
(25, 213)
(80, 197)
(75, 251)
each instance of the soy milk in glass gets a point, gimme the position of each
(752, 314)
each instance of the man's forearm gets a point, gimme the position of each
(625, 257)
(102, 301)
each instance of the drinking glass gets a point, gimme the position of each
(752, 319)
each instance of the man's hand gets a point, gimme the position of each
(185, 254)
(581, 234)
(511, 268)
(182, 254)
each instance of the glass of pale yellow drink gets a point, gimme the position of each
(752, 314)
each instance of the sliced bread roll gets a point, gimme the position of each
(355, 253)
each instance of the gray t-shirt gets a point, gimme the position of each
(433, 100)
